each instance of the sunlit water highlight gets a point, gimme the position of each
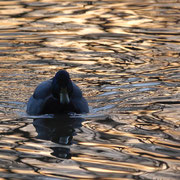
(124, 55)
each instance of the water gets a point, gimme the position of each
(124, 55)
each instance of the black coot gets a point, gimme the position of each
(57, 96)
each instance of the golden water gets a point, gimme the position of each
(125, 57)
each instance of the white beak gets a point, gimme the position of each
(64, 97)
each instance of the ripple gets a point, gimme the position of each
(124, 55)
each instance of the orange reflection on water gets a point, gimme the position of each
(7, 156)
(125, 57)
(96, 169)
(128, 165)
(23, 171)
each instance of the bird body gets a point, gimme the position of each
(56, 96)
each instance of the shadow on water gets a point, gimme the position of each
(59, 129)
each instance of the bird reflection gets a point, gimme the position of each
(59, 129)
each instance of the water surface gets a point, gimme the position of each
(124, 55)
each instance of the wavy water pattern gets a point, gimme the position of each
(124, 55)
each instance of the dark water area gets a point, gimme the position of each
(124, 55)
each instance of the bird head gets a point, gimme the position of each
(62, 86)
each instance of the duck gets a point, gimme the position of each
(58, 95)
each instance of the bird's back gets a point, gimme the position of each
(43, 101)
(37, 101)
